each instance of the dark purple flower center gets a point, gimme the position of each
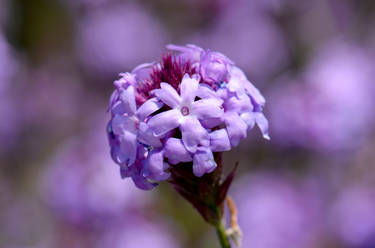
(185, 111)
(171, 70)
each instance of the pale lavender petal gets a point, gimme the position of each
(128, 99)
(214, 66)
(236, 128)
(238, 104)
(219, 141)
(121, 123)
(164, 122)
(155, 166)
(189, 52)
(118, 108)
(236, 85)
(176, 152)
(168, 95)
(262, 123)
(128, 147)
(125, 81)
(204, 161)
(205, 91)
(147, 66)
(146, 136)
(208, 108)
(211, 122)
(114, 98)
(193, 134)
(254, 93)
(249, 119)
(149, 107)
(143, 71)
(189, 87)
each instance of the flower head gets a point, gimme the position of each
(181, 110)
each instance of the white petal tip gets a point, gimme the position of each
(267, 137)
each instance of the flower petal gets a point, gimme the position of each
(236, 128)
(193, 134)
(249, 119)
(211, 122)
(189, 52)
(262, 123)
(128, 100)
(135, 173)
(219, 141)
(114, 98)
(235, 85)
(128, 147)
(238, 104)
(118, 108)
(148, 107)
(146, 136)
(189, 87)
(208, 108)
(213, 66)
(168, 95)
(205, 91)
(121, 123)
(176, 152)
(125, 80)
(143, 71)
(254, 93)
(203, 161)
(142, 182)
(164, 122)
(155, 166)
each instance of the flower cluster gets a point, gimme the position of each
(183, 109)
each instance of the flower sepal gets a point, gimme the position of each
(206, 193)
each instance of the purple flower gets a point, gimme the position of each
(180, 110)
(185, 113)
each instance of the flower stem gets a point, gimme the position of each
(222, 235)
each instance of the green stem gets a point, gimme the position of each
(223, 238)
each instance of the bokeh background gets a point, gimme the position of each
(311, 186)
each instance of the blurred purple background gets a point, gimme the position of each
(311, 186)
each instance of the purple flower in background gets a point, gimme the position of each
(246, 33)
(126, 235)
(180, 110)
(117, 36)
(276, 212)
(9, 129)
(352, 216)
(49, 84)
(80, 188)
(329, 107)
(91, 205)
